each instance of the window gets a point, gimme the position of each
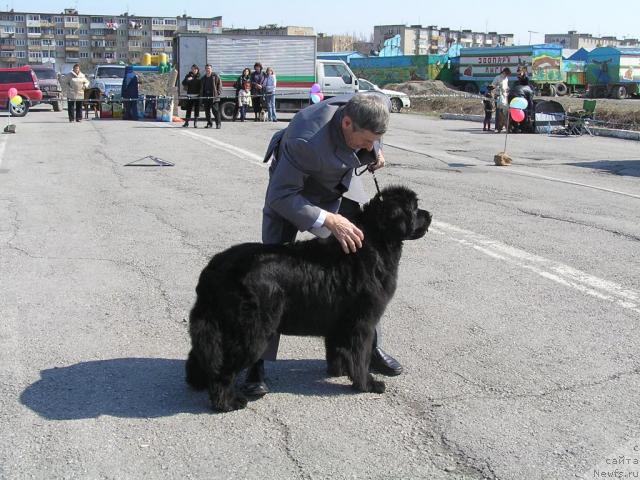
(59, 31)
(18, 18)
(84, 43)
(84, 54)
(58, 19)
(59, 43)
(20, 30)
(21, 54)
(97, 20)
(34, 42)
(34, 30)
(20, 42)
(84, 31)
(109, 55)
(96, 54)
(335, 70)
(33, 17)
(16, 77)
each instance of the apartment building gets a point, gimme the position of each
(419, 40)
(574, 40)
(68, 38)
(335, 43)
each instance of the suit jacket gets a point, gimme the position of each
(210, 86)
(311, 166)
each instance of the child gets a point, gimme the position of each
(489, 108)
(244, 100)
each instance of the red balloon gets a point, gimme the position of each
(517, 115)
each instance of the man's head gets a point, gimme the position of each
(208, 70)
(365, 120)
(506, 71)
(257, 67)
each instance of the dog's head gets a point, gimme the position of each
(395, 215)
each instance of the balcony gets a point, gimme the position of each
(7, 47)
(34, 23)
(157, 38)
(48, 24)
(71, 37)
(97, 26)
(135, 49)
(71, 24)
(34, 35)
(35, 48)
(72, 48)
(193, 28)
(72, 59)
(12, 59)
(35, 59)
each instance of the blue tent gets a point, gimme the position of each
(580, 55)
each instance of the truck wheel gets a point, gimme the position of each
(56, 106)
(471, 88)
(396, 105)
(620, 92)
(226, 110)
(18, 110)
(561, 89)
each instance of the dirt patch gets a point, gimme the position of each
(436, 97)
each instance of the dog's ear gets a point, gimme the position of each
(392, 212)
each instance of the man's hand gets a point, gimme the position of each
(379, 162)
(349, 236)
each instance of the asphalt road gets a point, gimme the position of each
(516, 317)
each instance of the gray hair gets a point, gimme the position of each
(368, 112)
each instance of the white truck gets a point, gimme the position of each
(108, 78)
(293, 59)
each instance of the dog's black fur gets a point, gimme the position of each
(251, 291)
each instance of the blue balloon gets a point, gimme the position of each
(519, 102)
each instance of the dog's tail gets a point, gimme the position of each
(196, 376)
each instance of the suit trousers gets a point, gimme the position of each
(209, 105)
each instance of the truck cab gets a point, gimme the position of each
(108, 78)
(335, 78)
(49, 82)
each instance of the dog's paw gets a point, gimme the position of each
(377, 386)
(239, 402)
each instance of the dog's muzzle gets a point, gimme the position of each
(422, 225)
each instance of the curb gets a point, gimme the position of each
(598, 131)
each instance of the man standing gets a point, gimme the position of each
(210, 94)
(312, 163)
(501, 85)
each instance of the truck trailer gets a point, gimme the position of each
(293, 59)
(613, 72)
(477, 67)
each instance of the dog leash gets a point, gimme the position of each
(375, 180)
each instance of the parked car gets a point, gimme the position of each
(49, 82)
(26, 82)
(399, 100)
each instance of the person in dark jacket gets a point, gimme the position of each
(524, 90)
(257, 88)
(192, 84)
(210, 95)
(245, 77)
(130, 94)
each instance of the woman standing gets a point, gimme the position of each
(130, 94)
(257, 88)
(192, 84)
(270, 94)
(74, 84)
(245, 77)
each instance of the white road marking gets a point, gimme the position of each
(549, 269)
(445, 157)
(232, 149)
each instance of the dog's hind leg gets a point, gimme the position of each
(359, 356)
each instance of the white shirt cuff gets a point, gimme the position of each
(320, 220)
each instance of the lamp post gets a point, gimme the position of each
(530, 32)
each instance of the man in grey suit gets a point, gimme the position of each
(312, 164)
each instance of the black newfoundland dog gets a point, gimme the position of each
(251, 291)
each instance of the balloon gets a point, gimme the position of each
(316, 88)
(519, 103)
(317, 97)
(16, 100)
(12, 92)
(517, 115)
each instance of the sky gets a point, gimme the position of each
(358, 17)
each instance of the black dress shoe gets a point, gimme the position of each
(218, 126)
(254, 384)
(383, 363)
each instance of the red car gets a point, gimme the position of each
(25, 81)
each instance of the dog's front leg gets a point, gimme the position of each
(360, 352)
